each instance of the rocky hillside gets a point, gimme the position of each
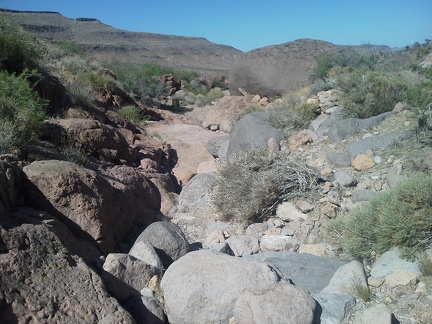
(107, 43)
(112, 211)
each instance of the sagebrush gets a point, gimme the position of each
(250, 185)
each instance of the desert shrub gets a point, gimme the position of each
(214, 94)
(73, 152)
(291, 112)
(400, 217)
(207, 98)
(132, 114)
(368, 93)
(141, 80)
(18, 50)
(419, 95)
(22, 112)
(425, 264)
(250, 185)
(184, 75)
(81, 91)
(201, 100)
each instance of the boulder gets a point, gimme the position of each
(145, 252)
(342, 129)
(373, 143)
(224, 111)
(378, 313)
(243, 245)
(106, 206)
(390, 261)
(339, 159)
(273, 70)
(287, 211)
(125, 276)
(43, 279)
(335, 307)
(363, 162)
(196, 193)
(251, 132)
(167, 239)
(282, 304)
(205, 286)
(96, 138)
(309, 272)
(279, 243)
(345, 179)
(146, 310)
(345, 277)
(215, 143)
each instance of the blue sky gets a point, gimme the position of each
(251, 24)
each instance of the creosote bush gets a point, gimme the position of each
(250, 185)
(400, 217)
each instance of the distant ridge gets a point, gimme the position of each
(106, 43)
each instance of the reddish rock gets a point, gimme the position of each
(224, 110)
(106, 207)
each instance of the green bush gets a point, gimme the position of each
(291, 112)
(368, 93)
(141, 80)
(132, 114)
(22, 112)
(250, 185)
(400, 217)
(18, 50)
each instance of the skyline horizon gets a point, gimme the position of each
(258, 37)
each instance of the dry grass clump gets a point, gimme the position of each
(250, 185)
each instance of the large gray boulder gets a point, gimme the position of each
(167, 239)
(196, 193)
(250, 133)
(273, 70)
(125, 276)
(215, 143)
(307, 271)
(373, 143)
(210, 287)
(344, 128)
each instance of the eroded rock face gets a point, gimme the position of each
(96, 139)
(218, 286)
(11, 184)
(105, 206)
(42, 281)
